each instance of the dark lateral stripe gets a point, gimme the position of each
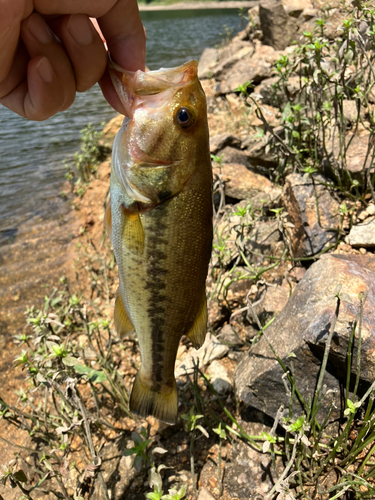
(155, 284)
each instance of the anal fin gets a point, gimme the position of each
(123, 325)
(197, 332)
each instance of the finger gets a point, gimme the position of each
(39, 96)
(125, 36)
(110, 94)
(10, 20)
(17, 73)
(49, 85)
(84, 48)
(92, 8)
(39, 40)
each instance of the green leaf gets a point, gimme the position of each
(70, 361)
(351, 406)
(296, 426)
(82, 369)
(98, 377)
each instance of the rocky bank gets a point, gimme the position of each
(292, 269)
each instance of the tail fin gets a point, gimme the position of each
(161, 405)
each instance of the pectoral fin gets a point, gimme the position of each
(108, 219)
(123, 325)
(197, 332)
(132, 231)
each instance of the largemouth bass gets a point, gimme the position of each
(160, 224)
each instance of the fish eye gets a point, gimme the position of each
(184, 117)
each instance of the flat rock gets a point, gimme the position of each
(212, 349)
(315, 226)
(252, 69)
(219, 378)
(362, 235)
(215, 62)
(220, 141)
(243, 184)
(277, 27)
(302, 329)
(204, 494)
(295, 8)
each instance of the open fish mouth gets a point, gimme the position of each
(141, 87)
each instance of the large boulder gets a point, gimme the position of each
(278, 28)
(298, 336)
(312, 211)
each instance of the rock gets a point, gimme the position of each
(274, 299)
(263, 236)
(220, 141)
(356, 154)
(309, 14)
(258, 152)
(277, 27)
(118, 471)
(219, 378)
(350, 110)
(212, 349)
(295, 8)
(215, 62)
(233, 155)
(333, 26)
(271, 95)
(252, 69)
(302, 329)
(204, 494)
(207, 62)
(243, 184)
(362, 235)
(229, 337)
(252, 30)
(239, 51)
(312, 231)
(218, 314)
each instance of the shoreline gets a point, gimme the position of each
(199, 5)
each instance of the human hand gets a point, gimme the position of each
(49, 50)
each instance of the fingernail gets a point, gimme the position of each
(39, 29)
(81, 30)
(45, 70)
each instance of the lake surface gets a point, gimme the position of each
(32, 153)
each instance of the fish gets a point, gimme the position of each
(160, 224)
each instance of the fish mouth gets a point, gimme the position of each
(138, 87)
